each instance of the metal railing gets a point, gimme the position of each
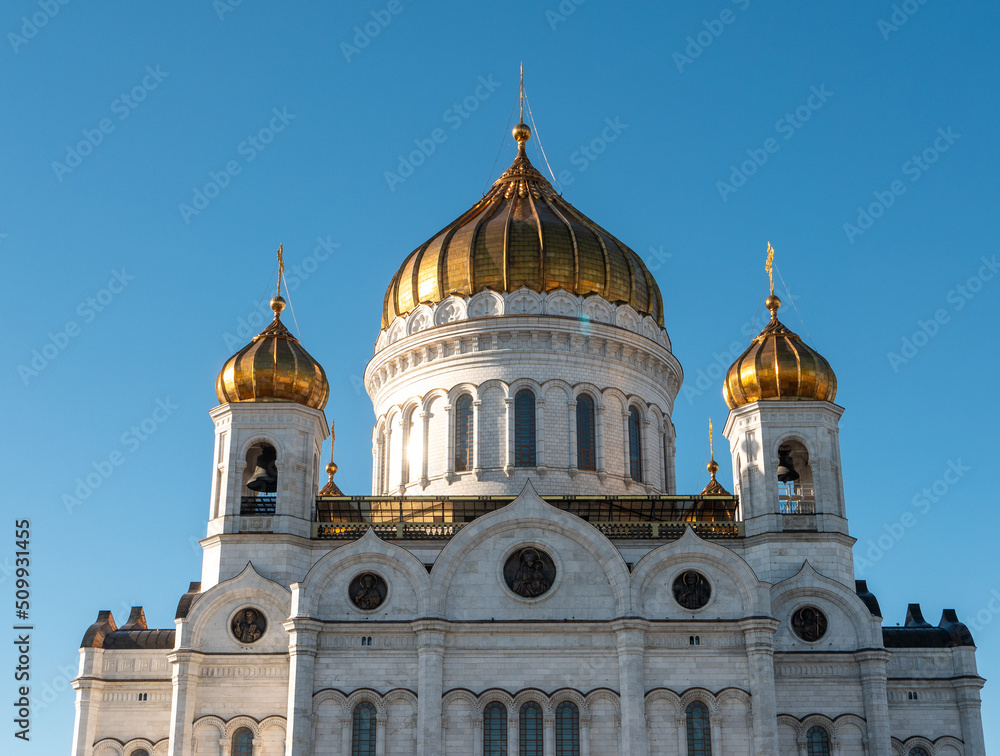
(258, 505)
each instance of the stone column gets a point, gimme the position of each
(599, 438)
(873, 688)
(425, 433)
(346, 723)
(88, 696)
(184, 677)
(379, 733)
(682, 734)
(477, 735)
(430, 685)
(571, 462)
(803, 745)
(513, 733)
(631, 641)
(758, 635)
(626, 447)
(715, 721)
(585, 734)
(970, 710)
(225, 746)
(477, 438)
(303, 640)
(548, 733)
(508, 464)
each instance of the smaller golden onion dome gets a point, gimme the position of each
(273, 368)
(779, 366)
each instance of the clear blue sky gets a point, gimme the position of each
(130, 300)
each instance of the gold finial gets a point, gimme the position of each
(278, 303)
(332, 467)
(521, 132)
(713, 466)
(772, 302)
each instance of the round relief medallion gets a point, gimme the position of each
(809, 623)
(248, 625)
(529, 572)
(368, 591)
(692, 590)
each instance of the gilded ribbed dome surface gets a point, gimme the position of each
(273, 368)
(522, 233)
(778, 366)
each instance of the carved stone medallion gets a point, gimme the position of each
(368, 591)
(809, 623)
(249, 625)
(692, 590)
(529, 572)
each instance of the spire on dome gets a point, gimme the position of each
(331, 488)
(714, 488)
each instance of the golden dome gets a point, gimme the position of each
(522, 233)
(778, 366)
(273, 368)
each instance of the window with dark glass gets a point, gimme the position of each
(139, 752)
(567, 729)
(634, 445)
(242, 742)
(586, 436)
(817, 742)
(699, 730)
(530, 730)
(495, 729)
(917, 752)
(463, 433)
(363, 730)
(524, 429)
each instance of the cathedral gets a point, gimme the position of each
(524, 579)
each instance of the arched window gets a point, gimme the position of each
(524, 429)
(242, 742)
(699, 730)
(817, 742)
(917, 752)
(586, 436)
(144, 752)
(634, 445)
(463, 433)
(567, 729)
(495, 729)
(363, 730)
(530, 730)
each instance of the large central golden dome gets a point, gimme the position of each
(522, 233)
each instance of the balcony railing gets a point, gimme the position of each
(620, 517)
(796, 500)
(258, 505)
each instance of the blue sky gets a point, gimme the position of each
(862, 145)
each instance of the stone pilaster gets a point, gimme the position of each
(430, 685)
(631, 642)
(184, 676)
(303, 640)
(758, 635)
(873, 689)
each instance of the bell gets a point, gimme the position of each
(265, 477)
(786, 470)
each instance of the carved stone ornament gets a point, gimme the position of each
(809, 623)
(368, 591)
(249, 625)
(692, 590)
(529, 572)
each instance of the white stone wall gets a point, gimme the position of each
(425, 361)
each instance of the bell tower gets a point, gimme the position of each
(269, 431)
(784, 437)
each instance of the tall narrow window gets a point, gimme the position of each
(530, 730)
(363, 730)
(634, 445)
(567, 729)
(817, 742)
(699, 730)
(463, 433)
(242, 742)
(495, 729)
(524, 429)
(586, 437)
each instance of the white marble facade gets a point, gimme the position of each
(450, 640)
